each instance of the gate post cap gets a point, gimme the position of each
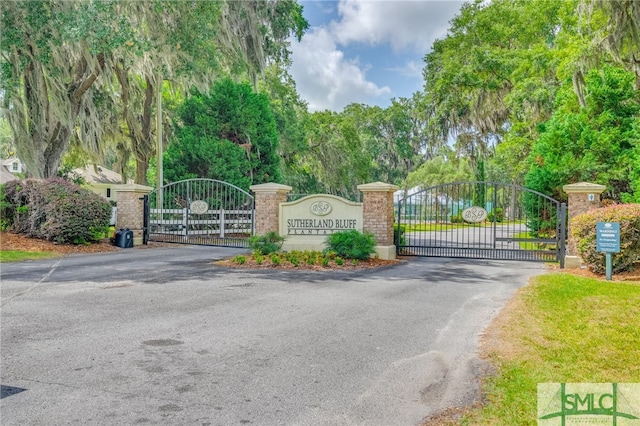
(378, 187)
(270, 188)
(132, 187)
(584, 187)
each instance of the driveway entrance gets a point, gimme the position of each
(164, 336)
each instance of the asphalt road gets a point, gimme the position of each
(163, 336)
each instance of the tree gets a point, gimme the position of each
(494, 75)
(72, 67)
(291, 116)
(202, 41)
(598, 143)
(54, 59)
(229, 135)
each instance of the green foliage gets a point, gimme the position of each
(599, 143)
(444, 168)
(351, 244)
(496, 215)
(229, 135)
(275, 259)
(92, 66)
(266, 244)
(456, 218)
(7, 256)
(240, 260)
(583, 231)
(399, 234)
(5, 205)
(56, 210)
(292, 257)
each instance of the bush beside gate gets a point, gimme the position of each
(583, 230)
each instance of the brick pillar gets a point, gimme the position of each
(131, 209)
(582, 197)
(378, 216)
(268, 197)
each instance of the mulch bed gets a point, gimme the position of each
(10, 241)
(250, 263)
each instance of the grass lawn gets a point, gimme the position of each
(560, 328)
(20, 255)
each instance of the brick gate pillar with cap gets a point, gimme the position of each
(378, 216)
(268, 197)
(582, 197)
(130, 212)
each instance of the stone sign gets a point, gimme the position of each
(474, 214)
(307, 222)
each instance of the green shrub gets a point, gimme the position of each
(240, 260)
(258, 257)
(399, 232)
(268, 243)
(339, 261)
(583, 231)
(311, 257)
(456, 218)
(56, 210)
(275, 259)
(497, 214)
(294, 257)
(352, 244)
(325, 261)
(5, 222)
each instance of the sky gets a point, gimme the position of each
(366, 51)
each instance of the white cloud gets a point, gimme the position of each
(410, 69)
(402, 24)
(329, 75)
(325, 78)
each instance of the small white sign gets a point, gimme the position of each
(474, 214)
(592, 197)
(198, 207)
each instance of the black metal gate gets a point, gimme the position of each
(199, 211)
(481, 220)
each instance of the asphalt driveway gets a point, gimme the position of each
(164, 336)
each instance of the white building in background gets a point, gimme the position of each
(101, 180)
(10, 169)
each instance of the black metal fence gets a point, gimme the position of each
(199, 211)
(485, 220)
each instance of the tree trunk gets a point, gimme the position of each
(44, 127)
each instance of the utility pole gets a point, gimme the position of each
(159, 176)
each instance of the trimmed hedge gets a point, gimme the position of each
(583, 231)
(56, 210)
